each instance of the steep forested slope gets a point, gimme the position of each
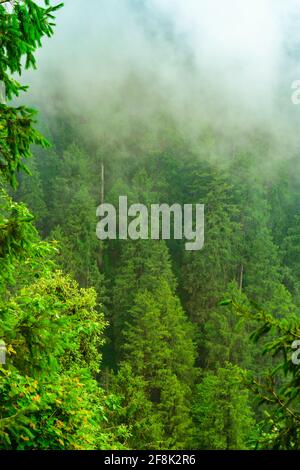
(141, 344)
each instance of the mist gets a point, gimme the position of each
(228, 65)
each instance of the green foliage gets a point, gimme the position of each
(144, 280)
(206, 274)
(155, 348)
(137, 412)
(226, 340)
(52, 329)
(63, 411)
(21, 31)
(278, 390)
(17, 134)
(158, 346)
(176, 357)
(143, 265)
(221, 409)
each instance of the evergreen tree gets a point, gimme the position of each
(156, 342)
(221, 409)
(277, 390)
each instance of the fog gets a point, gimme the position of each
(228, 64)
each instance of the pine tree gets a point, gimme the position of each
(155, 339)
(206, 273)
(221, 409)
(22, 30)
(226, 338)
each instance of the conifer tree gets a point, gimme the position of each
(222, 413)
(156, 343)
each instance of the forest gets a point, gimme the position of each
(142, 344)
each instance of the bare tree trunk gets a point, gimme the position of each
(102, 197)
(241, 277)
(2, 93)
(102, 183)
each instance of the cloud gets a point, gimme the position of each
(216, 62)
